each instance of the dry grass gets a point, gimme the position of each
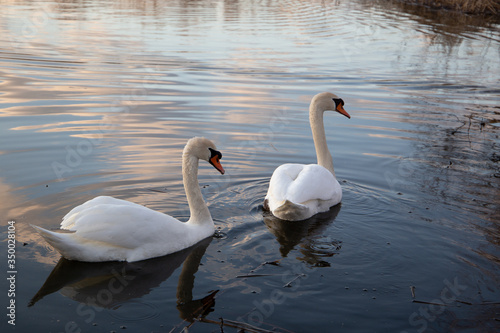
(466, 6)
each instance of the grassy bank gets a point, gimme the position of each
(466, 6)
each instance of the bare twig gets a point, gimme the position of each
(459, 127)
(159, 191)
(254, 275)
(275, 263)
(430, 303)
(236, 324)
(289, 284)
(458, 301)
(464, 302)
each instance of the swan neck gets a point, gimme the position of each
(199, 213)
(318, 131)
(186, 278)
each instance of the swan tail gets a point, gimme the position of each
(265, 205)
(57, 240)
(291, 211)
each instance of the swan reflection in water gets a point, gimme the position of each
(110, 284)
(315, 244)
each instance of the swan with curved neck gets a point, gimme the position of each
(298, 191)
(110, 229)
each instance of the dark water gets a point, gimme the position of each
(99, 98)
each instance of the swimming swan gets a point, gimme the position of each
(109, 229)
(298, 191)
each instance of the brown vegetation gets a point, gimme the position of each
(466, 6)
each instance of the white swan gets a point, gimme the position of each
(297, 191)
(109, 229)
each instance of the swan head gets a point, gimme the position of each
(204, 149)
(329, 102)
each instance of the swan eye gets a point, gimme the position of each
(214, 153)
(338, 101)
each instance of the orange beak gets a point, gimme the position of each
(341, 110)
(215, 161)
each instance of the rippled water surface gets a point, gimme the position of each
(99, 98)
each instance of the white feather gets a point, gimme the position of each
(107, 229)
(297, 191)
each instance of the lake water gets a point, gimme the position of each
(99, 98)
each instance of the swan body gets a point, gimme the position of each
(297, 191)
(110, 229)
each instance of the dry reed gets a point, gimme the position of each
(466, 6)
